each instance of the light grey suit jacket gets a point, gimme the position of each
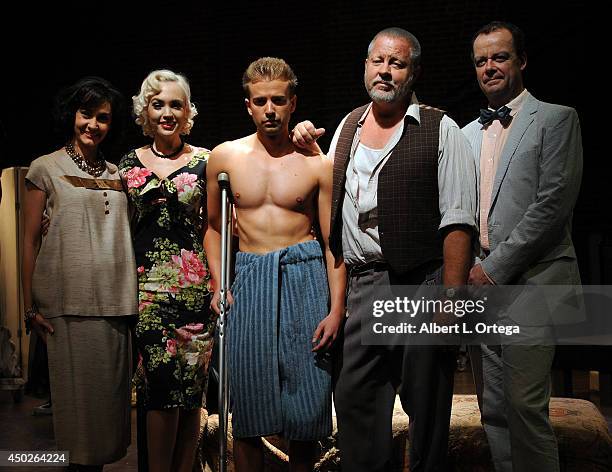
(533, 197)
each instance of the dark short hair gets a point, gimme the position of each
(518, 37)
(89, 93)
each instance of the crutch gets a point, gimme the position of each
(226, 257)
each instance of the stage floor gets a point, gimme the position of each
(21, 430)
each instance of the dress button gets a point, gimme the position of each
(105, 194)
(106, 203)
(106, 212)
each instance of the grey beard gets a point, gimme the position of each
(391, 96)
(386, 97)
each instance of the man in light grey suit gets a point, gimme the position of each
(529, 156)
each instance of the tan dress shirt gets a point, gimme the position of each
(493, 142)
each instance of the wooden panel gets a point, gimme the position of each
(11, 236)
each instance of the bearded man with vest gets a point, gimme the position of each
(403, 213)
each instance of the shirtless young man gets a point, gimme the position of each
(280, 323)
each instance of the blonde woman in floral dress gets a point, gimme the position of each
(166, 187)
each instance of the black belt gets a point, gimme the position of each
(372, 266)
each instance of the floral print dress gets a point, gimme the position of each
(174, 333)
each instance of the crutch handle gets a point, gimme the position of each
(224, 184)
(223, 179)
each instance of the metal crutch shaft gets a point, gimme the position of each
(226, 243)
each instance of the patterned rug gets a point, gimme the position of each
(585, 444)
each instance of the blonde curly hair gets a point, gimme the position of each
(150, 87)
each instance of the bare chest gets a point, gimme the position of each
(163, 167)
(289, 182)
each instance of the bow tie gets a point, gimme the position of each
(488, 116)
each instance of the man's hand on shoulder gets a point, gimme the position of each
(305, 136)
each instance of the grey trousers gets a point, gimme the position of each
(369, 377)
(513, 386)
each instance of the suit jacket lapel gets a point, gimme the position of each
(523, 121)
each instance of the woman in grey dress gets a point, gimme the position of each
(79, 287)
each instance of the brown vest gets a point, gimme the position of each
(407, 194)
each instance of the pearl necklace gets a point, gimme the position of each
(95, 170)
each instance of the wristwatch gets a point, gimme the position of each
(30, 313)
(450, 293)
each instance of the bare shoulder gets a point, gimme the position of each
(326, 162)
(230, 150)
(312, 158)
(221, 150)
(140, 152)
(321, 162)
(221, 154)
(326, 166)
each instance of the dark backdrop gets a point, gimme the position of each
(49, 46)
